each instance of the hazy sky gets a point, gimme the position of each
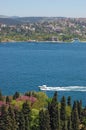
(67, 8)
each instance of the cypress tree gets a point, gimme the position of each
(69, 101)
(7, 99)
(12, 117)
(17, 117)
(1, 97)
(16, 95)
(26, 112)
(79, 107)
(63, 109)
(53, 111)
(58, 120)
(5, 120)
(69, 124)
(21, 121)
(44, 120)
(75, 117)
(63, 114)
(64, 125)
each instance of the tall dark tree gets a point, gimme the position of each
(5, 120)
(26, 112)
(44, 120)
(79, 107)
(17, 117)
(63, 114)
(53, 111)
(16, 95)
(69, 101)
(63, 109)
(64, 125)
(12, 117)
(7, 99)
(69, 124)
(21, 124)
(58, 119)
(75, 117)
(1, 97)
(20, 121)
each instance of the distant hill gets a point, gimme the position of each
(30, 19)
(3, 16)
(38, 19)
(13, 20)
(14, 17)
(9, 21)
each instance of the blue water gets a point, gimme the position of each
(24, 66)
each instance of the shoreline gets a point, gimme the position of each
(35, 41)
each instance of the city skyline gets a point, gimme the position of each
(47, 8)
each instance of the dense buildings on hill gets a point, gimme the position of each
(42, 29)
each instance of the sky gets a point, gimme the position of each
(54, 8)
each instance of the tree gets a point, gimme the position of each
(69, 101)
(64, 125)
(79, 107)
(17, 117)
(5, 120)
(1, 97)
(21, 122)
(63, 114)
(75, 117)
(7, 99)
(12, 117)
(58, 119)
(26, 112)
(69, 124)
(44, 120)
(16, 95)
(54, 113)
(34, 125)
(63, 109)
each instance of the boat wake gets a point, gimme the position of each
(66, 88)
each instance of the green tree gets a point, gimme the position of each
(7, 99)
(16, 95)
(63, 114)
(17, 117)
(79, 107)
(69, 124)
(26, 112)
(58, 119)
(63, 109)
(5, 120)
(75, 117)
(69, 101)
(12, 117)
(21, 122)
(54, 113)
(64, 125)
(34, 119)
(1, 97)
(44, 120)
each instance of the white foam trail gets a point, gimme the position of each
(66, 88)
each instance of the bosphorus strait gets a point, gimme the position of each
(24, 66)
